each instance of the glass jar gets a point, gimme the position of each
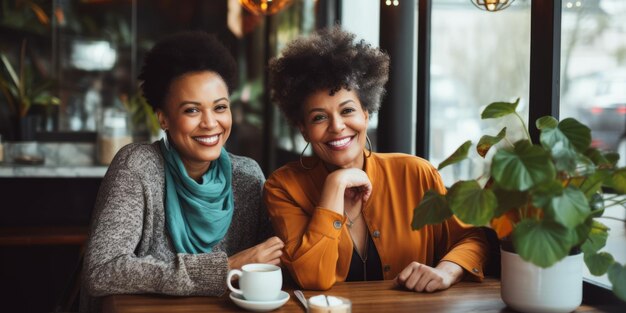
(113, 133)
(26, 152)
(329, 304)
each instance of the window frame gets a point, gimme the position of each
(544, 88)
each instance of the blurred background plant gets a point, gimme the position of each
(27, 96)
(144, 120)
(26, 15)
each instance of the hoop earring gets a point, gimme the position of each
(369, 143)
(301, 155)
(166, 140)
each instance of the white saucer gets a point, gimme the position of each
(260, 306)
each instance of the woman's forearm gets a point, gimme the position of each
(333, 193)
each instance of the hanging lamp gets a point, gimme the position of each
(492, 5)
(265, 7)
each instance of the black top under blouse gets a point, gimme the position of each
(373, 269)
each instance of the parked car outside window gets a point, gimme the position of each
(599, 101)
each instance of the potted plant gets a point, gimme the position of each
(143, 118)
(542, 200)
(23, 93)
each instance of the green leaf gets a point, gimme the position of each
(596, 157)
(582, 233)
(55, 101)
(499, 109)
(584, 166)
(486, 142)
(10, 98)
(598, 263)
(612, 157)
(433, 209)
(9, 69)
(46, 99)
(25, 106)
(617, 276)
(578, 134)
(472, 204)
(551, 136)
(568, 133)
(593, 183)
(618, 180)
(565, 158)
(544, 193)
(459, 155)
(522, 168)
(542, 243)
(546, 122)
(596, 237)
(509, 200)
(570, 209)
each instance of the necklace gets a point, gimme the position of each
(365, 254)
(366, 241)
(351, 221)
(364, 258)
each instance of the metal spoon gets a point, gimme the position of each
(301, 297)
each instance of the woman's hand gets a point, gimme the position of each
(357, 184)
(423, 278)
(348, 184)
(355, 194)
(267, 252)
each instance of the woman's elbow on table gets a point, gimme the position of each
(313, 281)
(316, 284)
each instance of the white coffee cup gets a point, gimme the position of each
(258, 282)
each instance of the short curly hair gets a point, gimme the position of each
(179, 54)
(329, 59)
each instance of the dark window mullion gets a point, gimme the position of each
(422, 138)
(397, 38)
(545, 61)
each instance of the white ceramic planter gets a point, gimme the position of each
(529, 288)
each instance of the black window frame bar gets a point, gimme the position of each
(398, 39)
(422, 136)
(545, 62)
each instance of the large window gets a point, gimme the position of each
(477, 57)
(593, 87)
(593, 68)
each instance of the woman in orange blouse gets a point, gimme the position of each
(345, 214)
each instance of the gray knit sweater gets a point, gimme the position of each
(129, 249)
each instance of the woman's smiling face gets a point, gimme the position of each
(197, 117)
(336, 127)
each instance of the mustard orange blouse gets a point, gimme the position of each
(318, 248)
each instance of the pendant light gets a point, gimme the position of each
(492, 5)
(265, 7)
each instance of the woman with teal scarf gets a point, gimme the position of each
(174, 216)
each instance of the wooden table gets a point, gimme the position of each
(378, 296)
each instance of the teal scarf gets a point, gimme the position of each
(197, 215)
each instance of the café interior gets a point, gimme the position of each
(79, 102)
